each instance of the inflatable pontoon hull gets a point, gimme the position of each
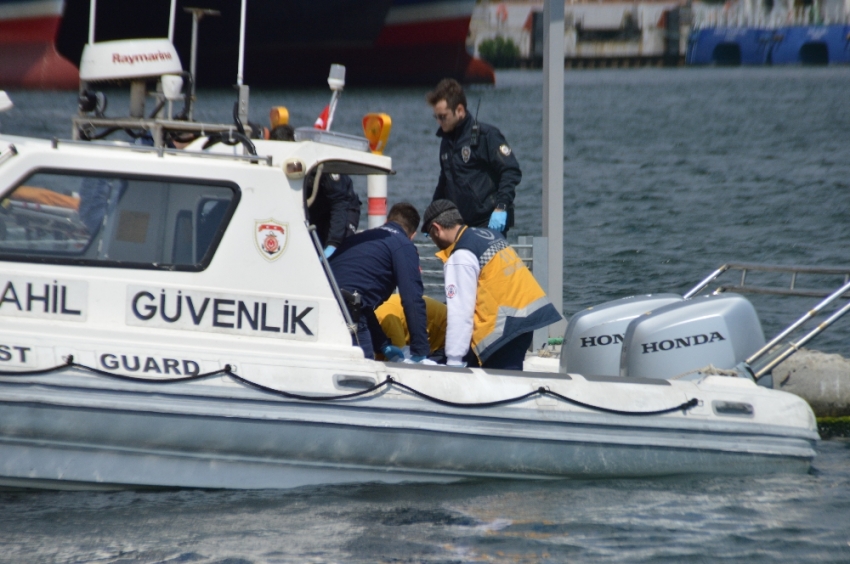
(74, 432)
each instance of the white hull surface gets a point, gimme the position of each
(71, 430)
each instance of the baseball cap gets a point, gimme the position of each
(435, 209)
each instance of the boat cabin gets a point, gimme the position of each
(167, 250)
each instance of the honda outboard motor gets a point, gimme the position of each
(721, 330)
(593, 339)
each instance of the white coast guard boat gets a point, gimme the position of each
(167, 319)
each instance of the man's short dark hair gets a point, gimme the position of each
(449, 90)
(282, 133)
(405, 215)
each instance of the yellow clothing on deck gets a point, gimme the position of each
(390, 315)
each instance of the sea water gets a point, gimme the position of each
(668, 174)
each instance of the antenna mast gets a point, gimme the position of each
(243, 90)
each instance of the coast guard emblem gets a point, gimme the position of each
(465, 153)
(505, 150)
(270, 237)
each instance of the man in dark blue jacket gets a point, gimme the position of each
(373, 263)
(478, 170)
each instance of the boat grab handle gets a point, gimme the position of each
(354, 381)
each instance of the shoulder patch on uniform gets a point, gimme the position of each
(505, 150)
(485, 234)
(335, 177)
(451, 291)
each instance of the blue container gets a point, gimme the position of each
(729, 46)
(811, 45)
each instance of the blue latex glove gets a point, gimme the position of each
(418, 358)
(498, 219)
(393, 354)
(329, 250)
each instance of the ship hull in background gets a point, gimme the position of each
(424, 41)
(28, 56)
(293, 42)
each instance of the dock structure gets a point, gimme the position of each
(764, 32)
(599, 34)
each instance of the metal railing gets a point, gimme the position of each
(792, 288)
(161, 151)
(776, 351)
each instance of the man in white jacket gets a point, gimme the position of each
(494, 303)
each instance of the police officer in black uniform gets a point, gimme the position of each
(478, 170)
(335, 211)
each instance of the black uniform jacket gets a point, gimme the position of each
(477, 177)
(335, 207)
(376, 261)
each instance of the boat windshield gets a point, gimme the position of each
(133, 222)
